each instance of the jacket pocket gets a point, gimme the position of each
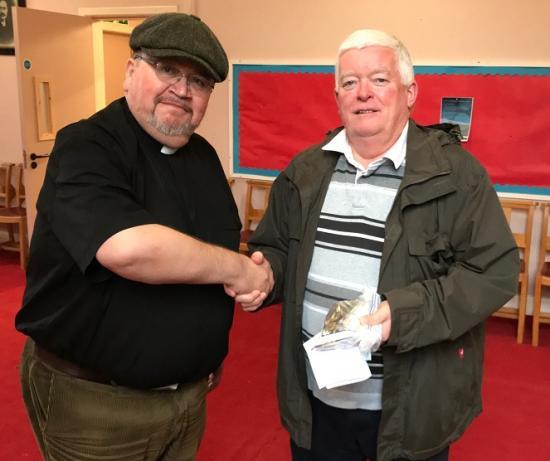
(444, 394)
(431, 257)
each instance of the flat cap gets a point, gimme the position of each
(181, 35)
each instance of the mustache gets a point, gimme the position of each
(174, 101)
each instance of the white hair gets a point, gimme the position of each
(372, 37)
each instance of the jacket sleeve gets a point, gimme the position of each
(273, 235)
(480, 277)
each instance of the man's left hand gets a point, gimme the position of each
(382, 315)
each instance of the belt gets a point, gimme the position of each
(70, 368)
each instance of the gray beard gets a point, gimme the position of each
(186, 129)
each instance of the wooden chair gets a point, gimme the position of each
(543, 276)
(16, 214)
(524, 209)
(7, 191)
(252, 213)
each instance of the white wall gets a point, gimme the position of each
(10, 131)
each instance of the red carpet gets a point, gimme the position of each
(243, 424)
(16, 438)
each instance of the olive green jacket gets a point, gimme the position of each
(449, 261)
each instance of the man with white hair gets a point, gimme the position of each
(402, 210)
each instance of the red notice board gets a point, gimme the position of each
(279, 110)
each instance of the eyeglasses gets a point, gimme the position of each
(171, 75)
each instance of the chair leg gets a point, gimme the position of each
(23, 244)
(11, 237)
(522, 307)
(536, 312)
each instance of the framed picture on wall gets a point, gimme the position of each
(6, 25)
(459, 112)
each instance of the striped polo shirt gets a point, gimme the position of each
(347, 253)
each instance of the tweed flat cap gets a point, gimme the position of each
(181, 35)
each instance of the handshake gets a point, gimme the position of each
(252, 281)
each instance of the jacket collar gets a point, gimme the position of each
(423, 161)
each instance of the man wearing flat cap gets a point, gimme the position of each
(132, 256)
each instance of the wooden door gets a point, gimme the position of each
(111, 53)
(55, 69)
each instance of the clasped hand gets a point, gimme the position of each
(253, 284)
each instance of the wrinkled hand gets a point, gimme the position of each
(382, 316)
(215, 378)
(254, 284)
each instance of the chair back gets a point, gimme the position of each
(17, 173)
(7, 191)
(255, 206)
(519, 214)
(14, 214)
(544, 246)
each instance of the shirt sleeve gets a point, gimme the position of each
(88, 195)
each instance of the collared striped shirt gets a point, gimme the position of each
(348, 251)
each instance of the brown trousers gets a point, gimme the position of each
(74, 419)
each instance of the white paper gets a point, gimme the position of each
(338, 366)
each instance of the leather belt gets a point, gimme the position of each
(70, 368)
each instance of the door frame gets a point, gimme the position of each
(112, 12)
(99, 29)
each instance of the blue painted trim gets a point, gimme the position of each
(532, 190)
(257, 171)
(236, 119)
(482, 70)
(290, 68)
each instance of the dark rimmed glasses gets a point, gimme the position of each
(170, 74)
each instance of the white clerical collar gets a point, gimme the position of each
(168, 150)
(396, 153)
